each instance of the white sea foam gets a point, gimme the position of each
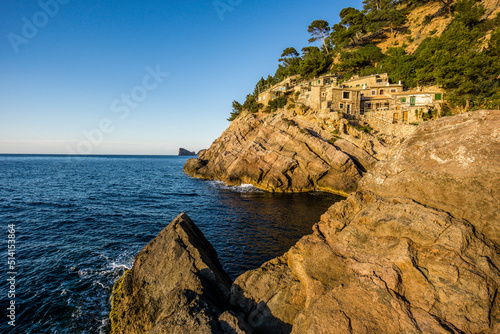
(113, 265)
(244, 188)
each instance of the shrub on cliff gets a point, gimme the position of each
(237, 108)
(277, 103)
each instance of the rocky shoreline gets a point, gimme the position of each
(290, 152)
(415, 247)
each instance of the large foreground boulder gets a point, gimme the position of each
(453, 164)
(176, 285)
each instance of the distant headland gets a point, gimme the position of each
(184, 152)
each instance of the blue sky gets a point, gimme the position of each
(137, 77)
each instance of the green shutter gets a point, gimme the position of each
(403, 100)
(413, 101)
(437, 96)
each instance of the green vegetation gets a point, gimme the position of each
(277, 103)
(365, 128)
(463, 59)
(335, 137)
(237, 109)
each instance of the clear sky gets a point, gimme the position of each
(137, 77)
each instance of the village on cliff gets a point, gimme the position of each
(372, 98)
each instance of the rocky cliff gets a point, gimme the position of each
(290, 151)
(414, 250)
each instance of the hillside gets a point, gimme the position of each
(426, 20)
(449, 44)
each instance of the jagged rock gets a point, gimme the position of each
(176, 285)
(381, 262)
(279, 154)
(184, 152)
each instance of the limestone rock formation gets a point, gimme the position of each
(176, 285)
(453, 164)
(294, 154)
(184, 152)
(400, 255)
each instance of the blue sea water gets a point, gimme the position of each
(79, 222)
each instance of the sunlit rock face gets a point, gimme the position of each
(289, 153)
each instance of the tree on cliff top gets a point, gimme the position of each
(319, 29)
(237, 108)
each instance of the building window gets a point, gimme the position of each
(357, 85)
(319, 81)
(393, 90)
(438, 97)
(403, 100)
(395, 118)
(341, 106)
(381, 92)
(346, 95)
(374, 92)
(413, 101)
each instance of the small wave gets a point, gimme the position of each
(103, 328)
(243, 188)
(114, 265)
(99, 283)
(50, 204)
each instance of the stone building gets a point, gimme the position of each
(284, 87)
(403, 107)
(370, 96)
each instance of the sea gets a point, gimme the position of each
(77, 223)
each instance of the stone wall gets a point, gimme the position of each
(383, 126)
